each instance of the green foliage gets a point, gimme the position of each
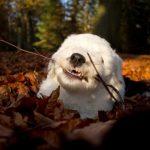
(51, 25)
(45, 23)
(58, 20)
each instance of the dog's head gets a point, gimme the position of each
(73, 68)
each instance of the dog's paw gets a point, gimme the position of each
(39, 95)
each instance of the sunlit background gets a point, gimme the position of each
(44, 24)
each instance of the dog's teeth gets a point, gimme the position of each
(75, 73)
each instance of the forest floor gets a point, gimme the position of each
(26, 121)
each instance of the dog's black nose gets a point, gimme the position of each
(77, 59)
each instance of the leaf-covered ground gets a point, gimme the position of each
(29, 123)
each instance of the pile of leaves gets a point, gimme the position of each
(137, 68)
(29, 122)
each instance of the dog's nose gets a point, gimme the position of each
(77, 59)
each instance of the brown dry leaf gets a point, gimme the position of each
(19, 120)
(47, 118)
(5, 97)
(86, 122)
(26, 105)
(20, 77)
(34, 88)
(5, 132)
(45, 122)
(32, 76)
(54, 107)
(41, 104)
(3, 80)
(51, 137)
(3, 90)
(54, 110)
(70, 114)
(5, 120)
(22, 89)
(41, 119)
(19, 84)
(11, 79)
(32, 81)
(18, 88)
(70, 125)
(94, 132)
(55, 94)
(137, 68)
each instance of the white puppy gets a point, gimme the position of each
(73, 71)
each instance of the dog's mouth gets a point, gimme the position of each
(74, 74)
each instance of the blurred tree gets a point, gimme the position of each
(87, 15)
(135, 26)
(25, 13)
(4, 25)
(51, 25)
(20, 19)
(71, 15)
(81, 15)
(109, 20)
(125, 24)
(58, 20)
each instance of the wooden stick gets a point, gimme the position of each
(103, 82)
(18, 48)
(117, 92)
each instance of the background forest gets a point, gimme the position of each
(43, 24)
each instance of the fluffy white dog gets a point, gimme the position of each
(73, 71)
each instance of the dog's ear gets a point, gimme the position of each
(51, 69)
(118, 67)
(50, 83)
(117, 76)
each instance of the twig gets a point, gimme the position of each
(103, 82)
(36, 51)
(117, 92)
(18, 48)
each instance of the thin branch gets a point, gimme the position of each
(117, 92)
(36, 50)
(20, 49)
(103, 82)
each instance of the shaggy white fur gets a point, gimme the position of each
(73, 71)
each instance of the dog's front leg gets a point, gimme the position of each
(47, 87)
(50, 83)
